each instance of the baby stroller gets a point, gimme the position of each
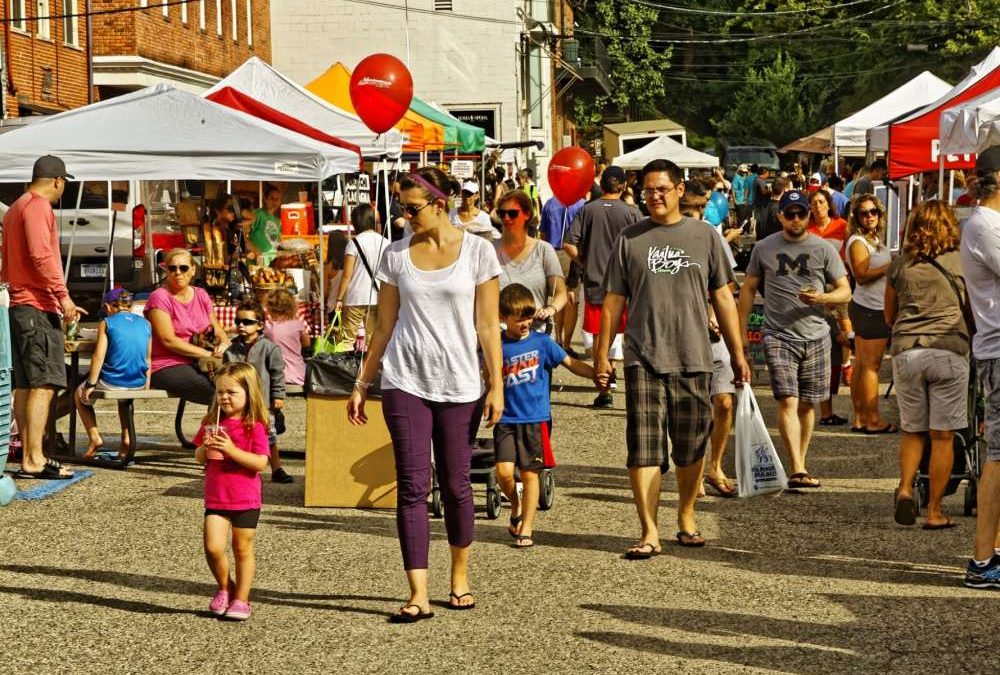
(967, 447)
(483, 471)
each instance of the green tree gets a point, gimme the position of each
(635, 65)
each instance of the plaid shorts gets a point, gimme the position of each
(666, 412)
(798, 369)
(989, 378)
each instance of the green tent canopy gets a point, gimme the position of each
(467, 137)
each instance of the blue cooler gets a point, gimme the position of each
(7, 488)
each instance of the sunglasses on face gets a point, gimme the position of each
(246, 322)
(659, 192)
(862, 213)
(508, 213)
(796, 215)
(183, 269)
(412, 210)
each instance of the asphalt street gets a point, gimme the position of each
(108, 575)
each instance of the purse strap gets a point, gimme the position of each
(963, 300)
(368, 268)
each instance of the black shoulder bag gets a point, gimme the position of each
(970, 320)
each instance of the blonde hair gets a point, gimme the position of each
(931, 230)
(246, 376)
(281, 305)
(176, 253)
(854, 223)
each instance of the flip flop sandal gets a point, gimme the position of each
(458, 598)
(858, 430)
(802, 481)
(718, 487)
(940, 526)
(890, 428)
(514, 522)
(906, 509)
(690, 539)
(523, 541)
(402, 616)
(643, 551)
(832, 421)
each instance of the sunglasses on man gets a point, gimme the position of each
(796, 214)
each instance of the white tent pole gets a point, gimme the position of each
(322, 264)
(387, 226)
(111, 252)
(940, 174)
(951, 186)
(72, 234)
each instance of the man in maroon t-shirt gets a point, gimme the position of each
(39, 305)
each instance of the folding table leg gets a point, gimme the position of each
(179, 426)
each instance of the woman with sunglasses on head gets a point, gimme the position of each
(868, 259)
(178, 312)
(527, 260)
(438, 292)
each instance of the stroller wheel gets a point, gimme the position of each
(436, 508)
(970, 498)
(493, 503)
(924, 492)
(547, 490)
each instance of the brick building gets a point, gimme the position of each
(187, 44)
(43, 58)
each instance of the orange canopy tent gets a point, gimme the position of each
(334, 86)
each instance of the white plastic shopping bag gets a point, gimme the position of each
(758, 467)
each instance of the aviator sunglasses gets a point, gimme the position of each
(508, 213)
(183, 269)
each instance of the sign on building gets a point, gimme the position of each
(484, 118)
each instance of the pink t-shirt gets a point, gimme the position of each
(188, 319)
(229, 485)
(287, 335)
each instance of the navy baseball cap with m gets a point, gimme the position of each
(793, 199)
(49, 166)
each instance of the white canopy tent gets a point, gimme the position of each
(971, 126)
(259, 80)
(164, 133)
(850, 133)
(665, 147)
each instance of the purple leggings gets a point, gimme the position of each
(416, 424)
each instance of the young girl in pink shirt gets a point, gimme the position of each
(285, 328)
(232, 444)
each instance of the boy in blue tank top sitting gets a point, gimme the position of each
(121, 360)
(522, 436)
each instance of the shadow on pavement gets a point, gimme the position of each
(183, 587)
(886, 634)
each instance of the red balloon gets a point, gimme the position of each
(381, 91)
(571, 173)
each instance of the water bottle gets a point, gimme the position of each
(359, 340)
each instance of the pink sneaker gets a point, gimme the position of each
(219, 603)
(238, 610)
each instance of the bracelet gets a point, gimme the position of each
(362, 385)
(91, 385)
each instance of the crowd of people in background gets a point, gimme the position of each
(464, 297)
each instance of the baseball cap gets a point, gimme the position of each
(615, 172)
(988, 160)
(793, 198)
(470, 187)
(115, 295)
(743, 167)
(49, 166)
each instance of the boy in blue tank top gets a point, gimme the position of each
(522, 436)
(121, 360)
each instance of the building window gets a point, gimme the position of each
(184, 13)
(442, 5)
(70, 23)
(535, 92)
(166, 9)
(17, 20)
(201, 14)
(42, 28)
(232, 14)
(218, 17)
(143, 3)
(250, 23)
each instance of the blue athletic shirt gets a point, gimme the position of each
(128, 344)
(526, 366)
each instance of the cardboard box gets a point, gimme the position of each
(348, 466)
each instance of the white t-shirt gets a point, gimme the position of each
(360, 290)
(869, 296)
(481, 224)
(980, 252)
(432, 351)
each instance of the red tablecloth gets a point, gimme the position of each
(308, 312)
